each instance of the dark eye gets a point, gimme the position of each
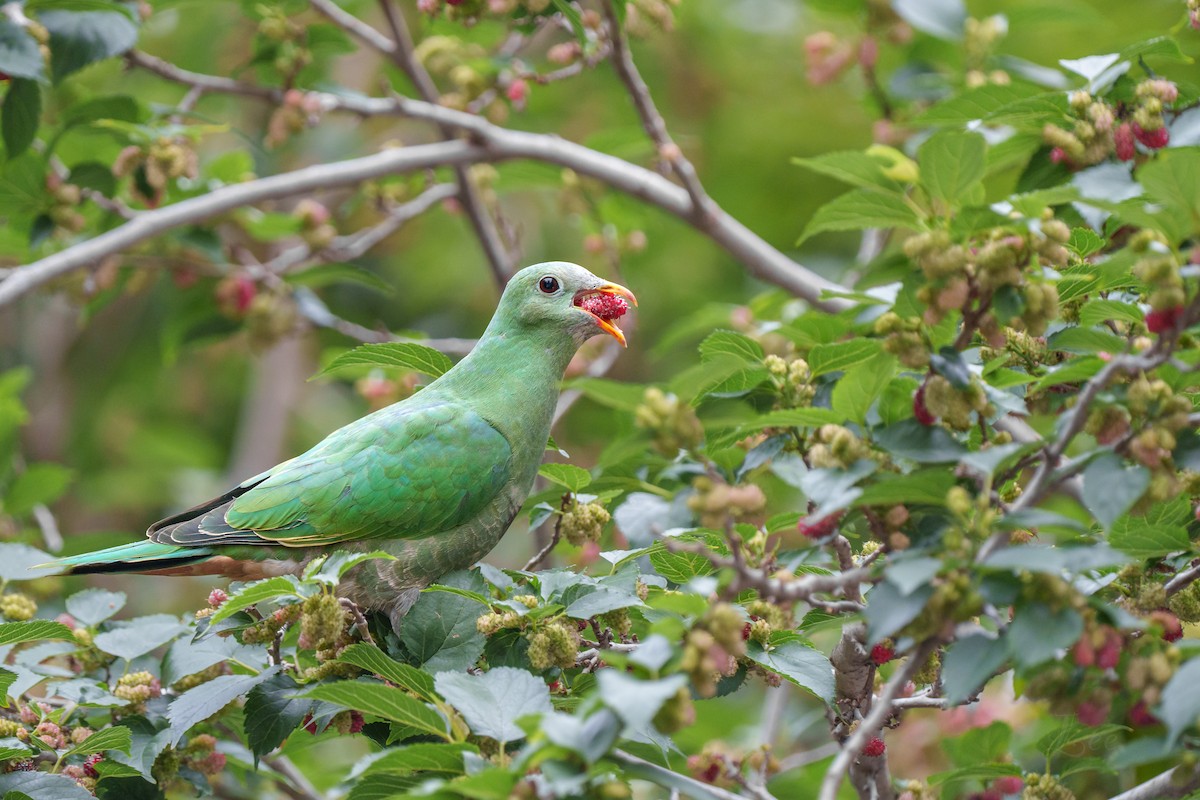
(548, 284)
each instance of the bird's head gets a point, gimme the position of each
(558, 295)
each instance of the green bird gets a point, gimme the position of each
(434, 480)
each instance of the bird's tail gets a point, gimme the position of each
(137, 557)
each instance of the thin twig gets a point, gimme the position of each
(1163, 785)
(695, 789)
(360, 621)
(545, 551)
(48, 525)
(652, 120)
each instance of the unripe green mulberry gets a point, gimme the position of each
(1186, 603)
(17, 607)
(677, 713)
(672, 422)
(584, 522)
(322, 622)
(555, 645)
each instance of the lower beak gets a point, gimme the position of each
(610, 326)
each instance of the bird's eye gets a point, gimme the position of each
(548, 284)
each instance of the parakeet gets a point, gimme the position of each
(434, 480)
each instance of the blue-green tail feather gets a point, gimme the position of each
(136, 557)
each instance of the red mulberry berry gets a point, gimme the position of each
(874, 748)
(1154, 139)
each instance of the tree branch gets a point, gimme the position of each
(669, 778)
(762, 260)
(870, 725)
(1165, 785)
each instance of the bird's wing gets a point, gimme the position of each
(403, 472)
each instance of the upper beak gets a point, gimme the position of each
(609, 325)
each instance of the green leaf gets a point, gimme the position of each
(330, 569)
(826, 358)
(1038, 632)
(33, 630)
(374, 660)
(1173, 179)
(856, 391)
(20, 562)
(612, 394)
(439, 631)
(801, 664)
(679, 568)
(492, 702)
(925, 444)
(889, 609)
(20, 56)
(1142, 539)
(22, 185)
(20, 115)
(1098, 311)
(969, 662)
(136, 637)
(81, 38)
(975, 103)
(114, 738)
(253, 594)
(39, 484)
(600, 600)
(426, 757)
(859, 209)
(199, 703)
(43, 786)
(383, 786)
(850, 166)
(92, 606)
(952, 165)
(636, 700)
(402, 355)
(272, 712)
(980, 772)
(93, 175)
(1076, 370)
(1072, 731)
(383, 701)
(567, 475)
(120, 107)
(1180, 706)
(729, 343)
(1110, 488)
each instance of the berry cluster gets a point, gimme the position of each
(672, 422)
(605, 306)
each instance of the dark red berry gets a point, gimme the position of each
(1163, 319)
(746, 631)
(356, 721)
(216, 597)
(1140, 716)
(882, 653)
(89, 765)
(1152, 139)
(1123, 140)
(819, 529)
(604, 306)
(1090, 713)
(1172, 629)
(874, 748)
(1009, 784)
(920, 410)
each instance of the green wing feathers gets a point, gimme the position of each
(132, 558)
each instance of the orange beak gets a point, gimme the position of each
(609, 312)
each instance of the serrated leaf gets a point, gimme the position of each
(492, 702)
(20, 115)
(20, 562)
(860, 209)
(850, 166)
(1076, 370)
(401, 355)
(43, 786)
(1110, 488)
(114, 738)
(374, 660)
(382, 701)
(1099, 311)
(93, 606)
(730, 343)
(253, 594)
(383, 786)
(426, 757)
(853, 395)
(680, 567)
(439, 632)
(804, 666)
(974, 103)
(826, 358)
(81, 38)
(272, 712)
(1143, 540)
(33, 630)
(329, 570)
(199, 703)
(952, 164)
(573, 478)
